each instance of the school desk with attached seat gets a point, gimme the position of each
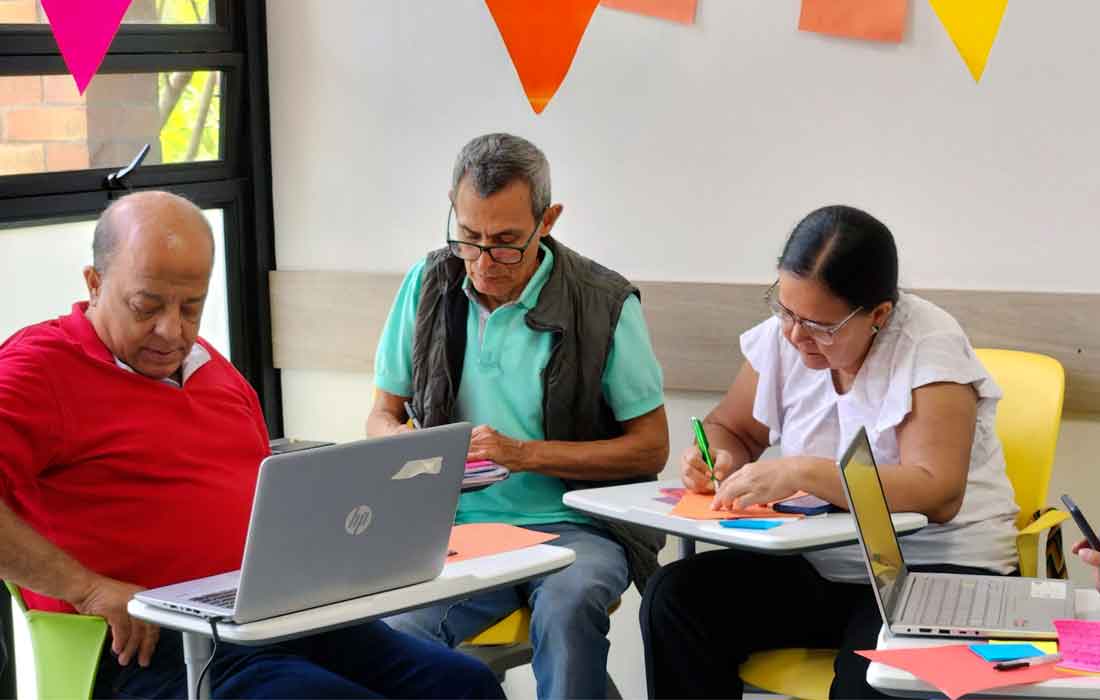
(1028, 420)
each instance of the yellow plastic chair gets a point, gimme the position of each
(507, 644)
(1028, 420)
(66, 650)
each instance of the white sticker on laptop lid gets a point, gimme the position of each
(416, 467)
(1049, 590)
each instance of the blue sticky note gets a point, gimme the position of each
(749, 524)
(1005, 652)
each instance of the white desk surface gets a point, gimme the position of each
(637, 504)
(894, 681)
(458, 580)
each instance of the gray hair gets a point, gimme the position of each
(105, 238)
(494, 161)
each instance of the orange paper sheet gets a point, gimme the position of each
(957, 671)
(697, 507)
(542, 37)
(682, 11)
(877, 20)
(482, 539)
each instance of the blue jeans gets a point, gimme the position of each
(365, 661)
(569, 618)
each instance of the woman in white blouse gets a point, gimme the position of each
(843, 349)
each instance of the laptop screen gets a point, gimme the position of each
(867, 503)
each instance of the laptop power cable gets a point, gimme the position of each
(213, 633)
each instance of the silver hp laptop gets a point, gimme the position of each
(335, 523)
(941, 605)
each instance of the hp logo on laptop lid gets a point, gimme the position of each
(358, 520)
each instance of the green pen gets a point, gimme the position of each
(704, 448)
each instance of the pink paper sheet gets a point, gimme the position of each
(84, 31)
(1079, 642)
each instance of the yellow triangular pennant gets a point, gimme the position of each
(972, 25)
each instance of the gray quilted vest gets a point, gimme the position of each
(580, 304)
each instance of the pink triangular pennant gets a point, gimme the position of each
(84, 30)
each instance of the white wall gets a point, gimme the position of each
(48, 286)
(668, 140)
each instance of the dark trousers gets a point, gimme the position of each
(364, 661)
(702, 617)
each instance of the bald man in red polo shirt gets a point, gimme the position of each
(129, 449)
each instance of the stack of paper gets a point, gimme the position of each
(481, 474)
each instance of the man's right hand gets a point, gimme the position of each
(695, 473)
(107, 598)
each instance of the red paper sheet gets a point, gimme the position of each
(682, 11)
(878, 20)
(956, 670)
(482, 539)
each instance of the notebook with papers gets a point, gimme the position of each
(941, 605)
(335, 523)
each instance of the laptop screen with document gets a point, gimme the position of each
(867, 503)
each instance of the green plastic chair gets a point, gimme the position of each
(66, 650)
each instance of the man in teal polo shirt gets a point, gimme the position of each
(548, 354)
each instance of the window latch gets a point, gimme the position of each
(117, 179)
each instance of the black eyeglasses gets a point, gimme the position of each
(503, 254)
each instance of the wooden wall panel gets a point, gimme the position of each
(332, 320)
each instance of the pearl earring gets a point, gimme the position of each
(875, 330)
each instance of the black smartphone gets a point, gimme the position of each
(1082, 524)
(805, 505)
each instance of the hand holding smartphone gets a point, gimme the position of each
(1082, 524)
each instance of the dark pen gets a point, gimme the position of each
(411, 415)
(1028, 663)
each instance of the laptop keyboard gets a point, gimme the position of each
(221, 599)
(954, 602)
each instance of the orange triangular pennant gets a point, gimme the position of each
(542, 37)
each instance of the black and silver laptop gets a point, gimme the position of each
(941, 605)
(335, 523)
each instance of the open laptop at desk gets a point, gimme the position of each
(334, 523)
(941, 605)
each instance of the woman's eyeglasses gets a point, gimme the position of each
(823, 334)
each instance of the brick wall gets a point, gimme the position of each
(47, 126)
(19, 11)
(43, 124)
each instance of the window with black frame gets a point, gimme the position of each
(186, 77)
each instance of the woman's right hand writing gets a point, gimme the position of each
(695, 473)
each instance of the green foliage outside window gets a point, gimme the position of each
(190, 102)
